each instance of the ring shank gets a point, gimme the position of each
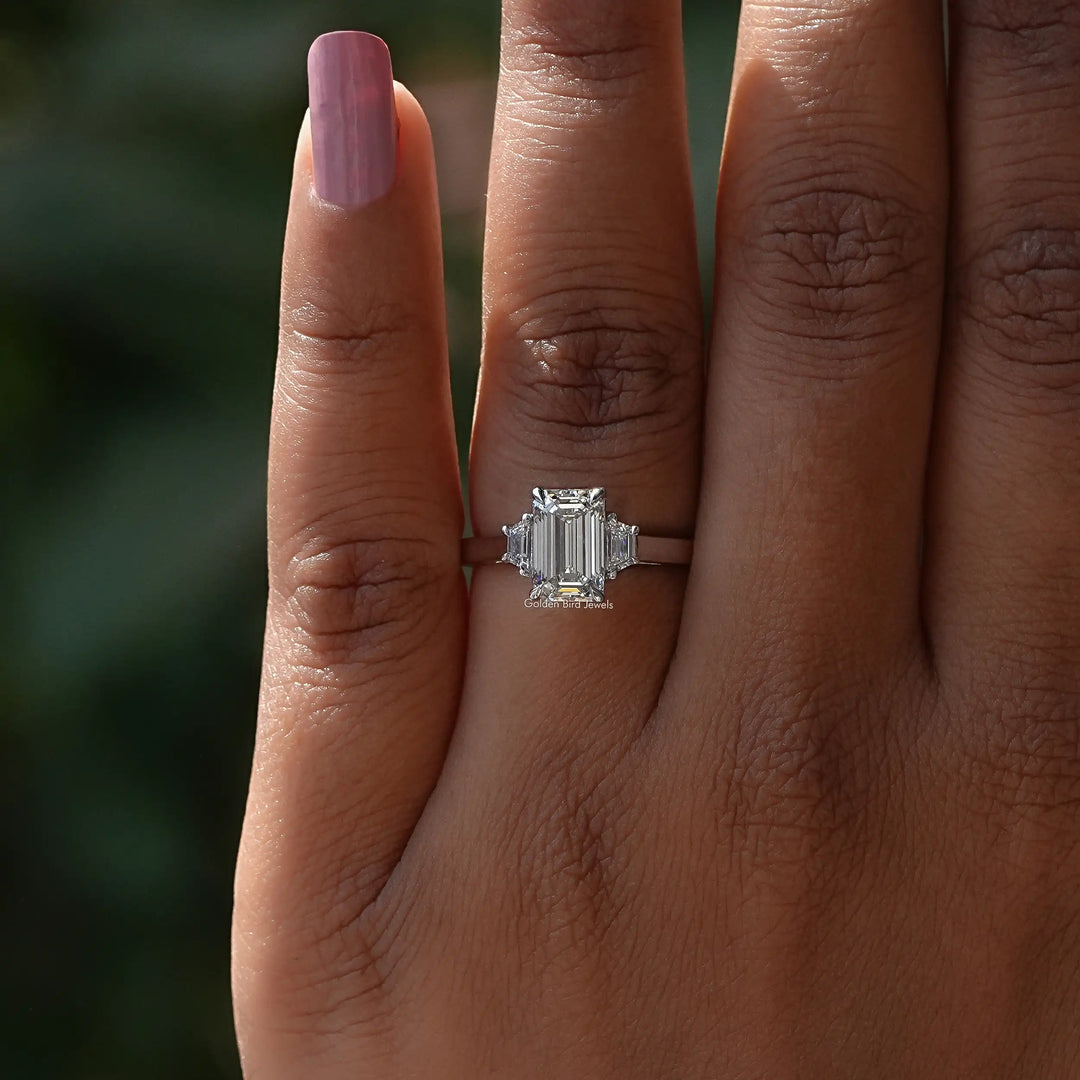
(664, 550)
(652, 550)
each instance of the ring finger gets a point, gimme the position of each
(592, 367)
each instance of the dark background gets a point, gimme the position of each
(145, 154)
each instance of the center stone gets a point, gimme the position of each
(566, 554)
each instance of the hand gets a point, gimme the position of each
(809, 810)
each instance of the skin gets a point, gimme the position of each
(810, 808)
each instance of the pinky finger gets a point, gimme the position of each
(366, 618)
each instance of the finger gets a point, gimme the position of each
(831, 223)
(592, 335)
(1004, 540)
(366, 615)
(592, 355)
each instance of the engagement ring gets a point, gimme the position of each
(569, 546)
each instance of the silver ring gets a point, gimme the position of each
(569, 546)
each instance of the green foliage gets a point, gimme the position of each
(145, 150)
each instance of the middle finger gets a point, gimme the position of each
(831, 243)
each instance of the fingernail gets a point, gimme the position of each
(353, 118)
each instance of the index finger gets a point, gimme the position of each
(365, 625)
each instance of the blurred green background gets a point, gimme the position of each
(145, 152)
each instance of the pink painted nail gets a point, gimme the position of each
(353, 118)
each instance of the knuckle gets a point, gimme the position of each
(359, 599)
(324, 338)
(799, 779)
(1034, 39)
(601, 369)
(1021, 295)
(835, 265)
(568, 841)
(579, 53)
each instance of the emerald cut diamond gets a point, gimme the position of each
(568, 546)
